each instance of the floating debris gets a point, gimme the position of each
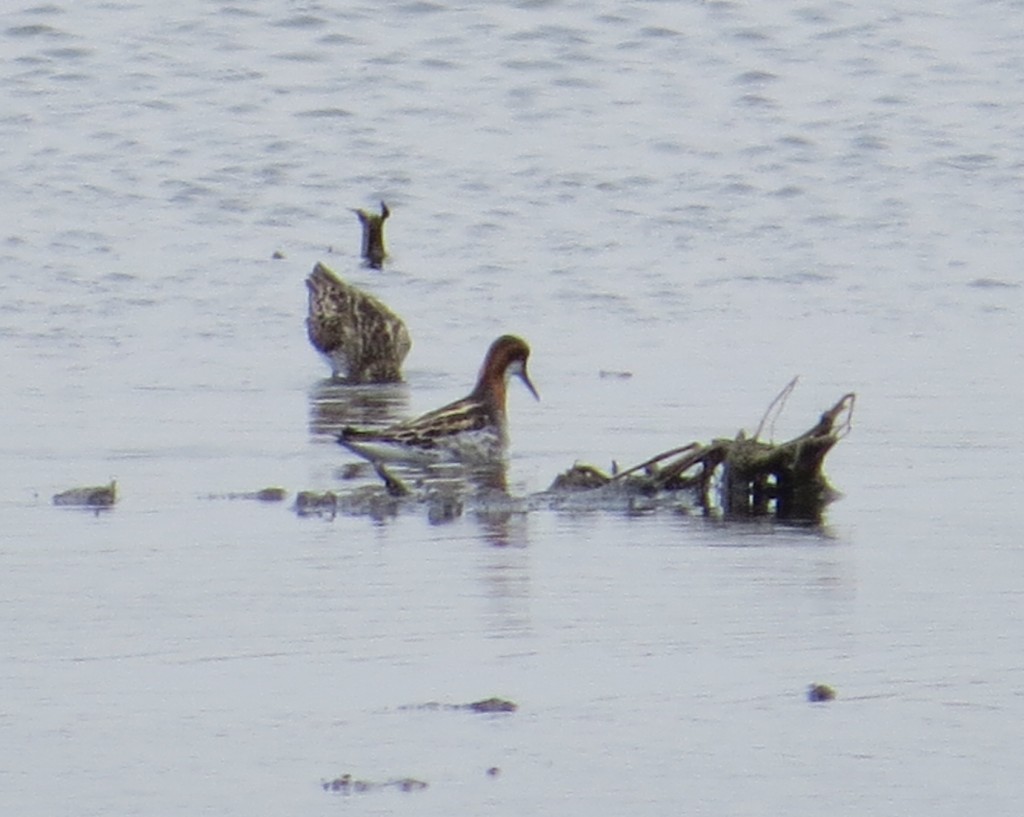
(97, 496)
(373, 501)
(278, 255)
(819, 693)
(580, 478)
(486, 706)
(608, 374)
(262, 495)
(494, 771)
(311, 503)
(493, 705)
(346, 784)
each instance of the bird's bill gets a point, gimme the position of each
(519, 370)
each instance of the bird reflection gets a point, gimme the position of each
(481, 494)
(502, 527)
(334, 405)
(504, 579)
(448, 488)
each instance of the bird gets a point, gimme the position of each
(373, 235)
(362, 340)
(470, 430)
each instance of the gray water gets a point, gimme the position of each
(711, 196)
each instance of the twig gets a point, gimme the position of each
(657, 458)
(709, 456)
(824, 427)
(779, 402)
(845, 404)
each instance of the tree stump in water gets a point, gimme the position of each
(756, 477)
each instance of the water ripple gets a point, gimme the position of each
(36, 30)
(300, 21)
(324, 113)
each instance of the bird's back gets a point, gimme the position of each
(355, 330)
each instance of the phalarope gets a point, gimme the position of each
(362, 340)
(373, 235)
(473, 429)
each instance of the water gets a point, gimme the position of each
(711, 196)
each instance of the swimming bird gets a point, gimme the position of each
(373, 235)
(362, 340)
(473, 429)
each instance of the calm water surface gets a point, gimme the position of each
(711, 196)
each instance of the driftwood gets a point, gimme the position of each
(752, 477)
(93, 496)
(346, 784)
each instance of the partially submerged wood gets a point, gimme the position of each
(316, 503)
(272, 494)
(345, 784)
(487, 706)
(752, 477)
(373, 235)
(93, 496)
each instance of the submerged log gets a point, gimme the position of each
(752, 477)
